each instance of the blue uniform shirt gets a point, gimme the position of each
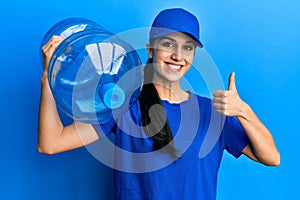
(200, 136)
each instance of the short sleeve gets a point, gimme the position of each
(235, 138)
(105, 128)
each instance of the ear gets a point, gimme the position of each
(149, 51)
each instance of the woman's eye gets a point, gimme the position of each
(188, 48)
(168, 44)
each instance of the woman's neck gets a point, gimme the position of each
(172, 92)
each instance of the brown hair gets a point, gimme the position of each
(162, 137)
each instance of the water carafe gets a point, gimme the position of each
(94, 75)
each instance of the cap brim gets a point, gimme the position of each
(161, 32)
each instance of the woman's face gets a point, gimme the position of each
(172, 57)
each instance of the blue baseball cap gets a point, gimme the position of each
(176, 20)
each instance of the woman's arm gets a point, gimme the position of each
(262, 147)
(53, 137)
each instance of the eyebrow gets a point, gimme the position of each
(168, 38)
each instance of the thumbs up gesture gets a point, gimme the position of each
(228, 102)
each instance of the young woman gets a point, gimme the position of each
(168, 137)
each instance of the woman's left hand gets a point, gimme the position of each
(228, 102)
(261, 147)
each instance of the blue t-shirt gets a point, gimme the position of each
(200, 137)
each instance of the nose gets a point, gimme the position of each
(176, 55)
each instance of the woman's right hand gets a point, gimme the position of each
(49, 48)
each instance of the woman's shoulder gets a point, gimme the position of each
(201, 99)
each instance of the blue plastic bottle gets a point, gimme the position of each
(93, 74)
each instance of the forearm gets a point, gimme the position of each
(261, 140)
(53, 137)
(49, 126)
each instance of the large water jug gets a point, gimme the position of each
(93, 74)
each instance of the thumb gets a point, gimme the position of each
(231, 82)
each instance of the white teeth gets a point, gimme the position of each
(175, 67)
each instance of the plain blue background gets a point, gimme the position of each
(259, 40)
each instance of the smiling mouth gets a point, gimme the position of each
(173, 67)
